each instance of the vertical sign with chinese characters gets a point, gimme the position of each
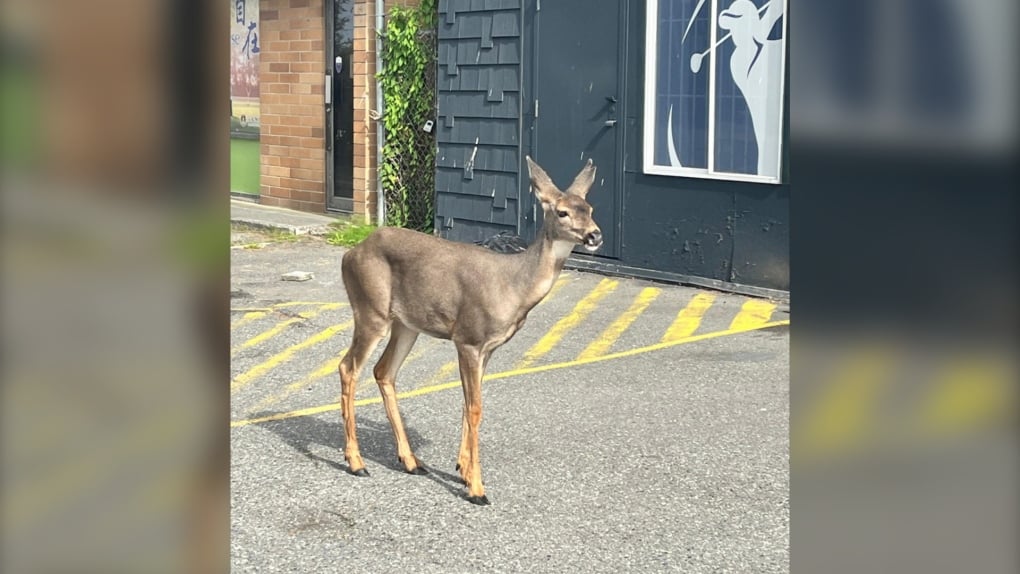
(244, 68)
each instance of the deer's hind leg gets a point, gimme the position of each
(367, 334)
(402, 339)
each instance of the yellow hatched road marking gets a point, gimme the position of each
(282, 326)
(445, 371)
(508, 374)
(368, 376)
(968, 392)
(753, 312)
(247, 318)
(689, 318)
(604, 342)
(842, 417)
(579, 313)
(328, 368)
(262, 368)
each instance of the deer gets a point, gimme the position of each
(403, 283)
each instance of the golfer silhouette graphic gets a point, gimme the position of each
(756, 69)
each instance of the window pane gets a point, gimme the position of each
(681, 99)
(748, 87)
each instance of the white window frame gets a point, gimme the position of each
(651, 58)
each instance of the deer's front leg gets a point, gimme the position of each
(472, 366)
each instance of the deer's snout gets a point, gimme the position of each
(593, 240)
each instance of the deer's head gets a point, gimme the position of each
(567, 214)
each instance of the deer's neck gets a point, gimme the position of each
(541, 265)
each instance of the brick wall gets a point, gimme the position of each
(292, 105)
(293, 157)
(365, 140)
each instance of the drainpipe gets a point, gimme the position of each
(380, 134)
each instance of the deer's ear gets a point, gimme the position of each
(543, 186)
(584, 180)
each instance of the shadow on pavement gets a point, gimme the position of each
(375, 439)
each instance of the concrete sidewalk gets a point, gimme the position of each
(269, 217)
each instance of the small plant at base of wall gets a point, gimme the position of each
(348, 234)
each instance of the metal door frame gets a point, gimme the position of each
(335, 204)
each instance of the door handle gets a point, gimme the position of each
(610, 123)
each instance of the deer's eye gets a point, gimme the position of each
(562, 213)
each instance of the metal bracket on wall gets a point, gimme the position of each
(451, 63)
(486, 43)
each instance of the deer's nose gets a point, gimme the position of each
(594, 238)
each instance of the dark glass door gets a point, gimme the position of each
(340, 107)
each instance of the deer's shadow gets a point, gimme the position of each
(375, 440)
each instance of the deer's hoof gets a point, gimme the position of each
(479, 500)
(419, 470)
(362, 472)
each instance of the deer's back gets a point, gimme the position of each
(429, 283)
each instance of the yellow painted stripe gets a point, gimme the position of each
(269, 333)
(968, 393)
(512, 373)
(688, 319)
(330, 368)
(365, 385)
(262, 368)
(444, 372)
(282, 326)
(841, 418)
(326, 369)
(753, 312)
(578, 314)
(247, 318)
(422, 348)
(604, 342)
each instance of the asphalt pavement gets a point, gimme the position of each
(630, 426)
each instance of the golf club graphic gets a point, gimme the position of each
(752, 65)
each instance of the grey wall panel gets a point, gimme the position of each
(478, 128)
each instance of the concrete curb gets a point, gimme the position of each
(293, 229)
(247, 212)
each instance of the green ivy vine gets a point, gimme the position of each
(408, 88)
